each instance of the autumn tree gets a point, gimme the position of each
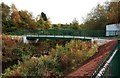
(101, 15)
(27, 20)
(15, 16)
(6, 18)
(74, 24)
(114, 12)
(96, 19)
(44, 17)
(43, 22)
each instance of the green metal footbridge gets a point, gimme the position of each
(67, 34)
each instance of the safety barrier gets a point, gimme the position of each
(69, 32)
(103, 68)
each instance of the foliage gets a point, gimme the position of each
(114, 12)
(5, 17)
(73, 25)
(15, 16)
(42, 22)
(59, 62)
(73, 54)
(14, 20)
(101, 15)
(9, 70)
(27, 21)
(44, 17)
(12, 49)
(98, 18)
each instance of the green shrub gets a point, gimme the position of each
(43, 66)
(60, 61)
(21, 51)
(73, 54)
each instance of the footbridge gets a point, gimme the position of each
(68, 34)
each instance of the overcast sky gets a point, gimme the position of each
(59, 11)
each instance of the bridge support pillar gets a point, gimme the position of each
(25, 39)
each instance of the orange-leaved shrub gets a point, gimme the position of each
(59, 62)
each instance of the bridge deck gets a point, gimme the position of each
(64, 37)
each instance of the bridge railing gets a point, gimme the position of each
(104, 62)
(69, 32)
